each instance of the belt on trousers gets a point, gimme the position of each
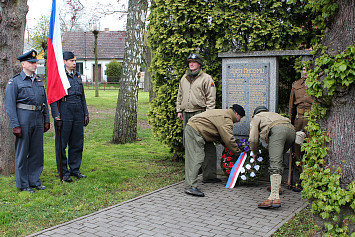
(282, 123)
(302, 111)
(71, 98)
(30, 107)
(287, 125)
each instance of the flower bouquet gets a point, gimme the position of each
(252, 170)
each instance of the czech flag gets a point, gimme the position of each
(58, 83)
(237, 167)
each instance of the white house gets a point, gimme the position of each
(110, 46)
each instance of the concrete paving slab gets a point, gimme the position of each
(171, 212)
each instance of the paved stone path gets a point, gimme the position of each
(170, 212)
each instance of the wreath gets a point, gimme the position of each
(253, 169)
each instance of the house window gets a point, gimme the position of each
(79, 68)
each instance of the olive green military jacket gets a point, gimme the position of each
(196, 93)
(299, 99)
(216, 125)
(260, 126)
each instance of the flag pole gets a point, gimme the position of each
(59, 129)
(58, 83)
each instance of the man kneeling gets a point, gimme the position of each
(201, 131)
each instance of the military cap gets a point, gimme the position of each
(68, 55)
(30, 56)
(238, 109)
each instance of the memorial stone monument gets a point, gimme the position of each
(251, 79)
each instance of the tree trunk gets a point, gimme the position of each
(339, 121)
(125, 127)
(148, 83)
(96, 33)
(340, 118)
(12, 29)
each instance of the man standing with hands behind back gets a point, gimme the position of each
(196, 94)
(300, 103)
(27, 108)
(71, 116)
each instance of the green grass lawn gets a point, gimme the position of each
(115, 173)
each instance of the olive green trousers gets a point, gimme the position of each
(281, 138)
(185, 118)
(198, 153)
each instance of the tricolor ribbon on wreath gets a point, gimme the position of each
(237, 167)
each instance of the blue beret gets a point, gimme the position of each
(30, 56)
(68, 55)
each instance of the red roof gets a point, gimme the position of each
(110, 44)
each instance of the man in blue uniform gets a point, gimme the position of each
(27, 108)
(71, 115)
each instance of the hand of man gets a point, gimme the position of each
(17, 131)
(180, 116)
(58, 123)
(47, 126)
(86, 120)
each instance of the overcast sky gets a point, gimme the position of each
(37, 8)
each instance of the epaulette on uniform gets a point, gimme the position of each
(12, 79)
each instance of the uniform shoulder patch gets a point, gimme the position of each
(10, 81)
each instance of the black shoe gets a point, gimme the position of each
(297, 189)
(194, 192)
(39, 187)
(67, 178)
(214, 180)
(79, 176)
(28, 189)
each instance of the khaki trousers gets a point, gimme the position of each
(198, 153)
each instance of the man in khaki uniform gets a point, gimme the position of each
(300, 103)
(279, 134)
(196, 94)
(208, 127)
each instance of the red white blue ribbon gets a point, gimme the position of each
(237, 167)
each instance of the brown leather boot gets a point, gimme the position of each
(270, 204)
(276, 203)
(265, 204)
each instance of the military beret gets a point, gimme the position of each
(238, 109)
(30, 56)
(68, 55)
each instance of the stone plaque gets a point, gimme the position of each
(246, 84)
